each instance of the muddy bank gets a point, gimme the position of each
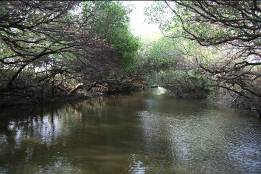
(53, 94)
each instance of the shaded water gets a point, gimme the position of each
(143, 133)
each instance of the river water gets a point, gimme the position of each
(148, 132)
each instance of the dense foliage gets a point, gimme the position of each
(232, 28)
(55, 48)
(111, 23)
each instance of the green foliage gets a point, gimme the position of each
(181, 54)
(173, 25)
(110, 22)
(163, 50)
(159, 13)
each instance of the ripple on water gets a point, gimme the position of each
(131, 134)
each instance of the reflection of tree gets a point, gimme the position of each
(32, 136)
(28, 136)
(93, 105)
(136, 165)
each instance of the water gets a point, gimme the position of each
(142, 133)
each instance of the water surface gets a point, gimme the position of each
(142, 133)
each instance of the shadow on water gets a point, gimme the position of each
(148, 132)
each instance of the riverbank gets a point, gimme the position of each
(220, 100)
(49, 96)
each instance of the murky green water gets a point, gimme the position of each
(143, 133)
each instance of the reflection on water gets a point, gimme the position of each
(143, 133)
